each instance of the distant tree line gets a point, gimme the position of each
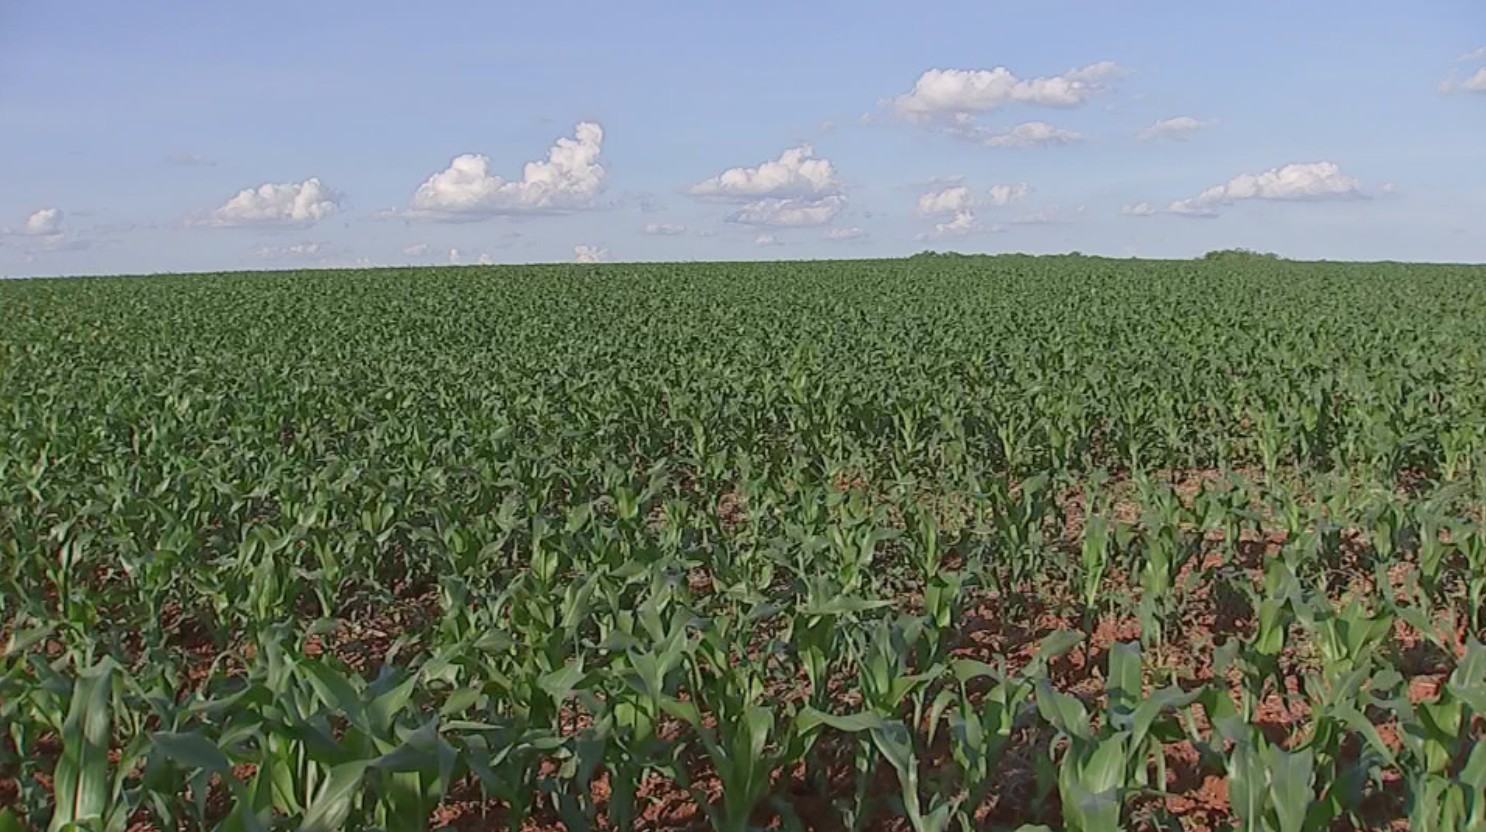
(1240, 254)
(1225, 254)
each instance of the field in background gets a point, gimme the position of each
(939, 543)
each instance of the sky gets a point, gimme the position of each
(148, 137)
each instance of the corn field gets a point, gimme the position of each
(1057, 543)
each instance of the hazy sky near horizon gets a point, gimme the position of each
(187, 136)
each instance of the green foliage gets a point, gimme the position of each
(1239, 255)
(320, 550)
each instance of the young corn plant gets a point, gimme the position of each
(894, 741)
(1224, 505)
(1016, 517)
(1469, 539)
(1165, 548)
(643, 685)
(890, 686)
(980, 729)
(942, 587)
(1445, 755)
(1270, 789)
(749, 740)
(1095, 559)
(1098, 769)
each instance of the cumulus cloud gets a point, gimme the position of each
(947, 93)
(766, 240)
(290, 203)
(792, 213)
(415, 250)
(1027, 134)
(568, 179)
(843, 234)
(1007, 194)
(951, 100)
(962, 224)
(797, 173)
(43, 222)
(45, 233)
(1476, 55)
(590, 254)
(797, 189)
(1471, 83)
(959, 203)
(291, 251)
(1180, 127)
(945, 201)
(957, 198)
(456, 257)
(1137, 209)
(1302, 181)
(664, 229)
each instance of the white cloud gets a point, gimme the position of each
(43, 222)
(1180, 127)
(959, 203)
(797, 173)
(963, 223)
(946, 93)
(415, 250)
(959, 198)
(1138, 209)
(766, 240)
(291, 203)
(664, 229)
(590, 254)
(568, 179)
(1477, 55)
(1028, 134)
(1315, 180)
(797, 189)
(843, 234)
(292, 251)
(45, 234)
(456, 257)
(1472, 83)
(945, 201)
(790, 212)
(348, 262)
(1007, 194)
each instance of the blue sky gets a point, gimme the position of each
(388, 133)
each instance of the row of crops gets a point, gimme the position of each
(970, 543)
